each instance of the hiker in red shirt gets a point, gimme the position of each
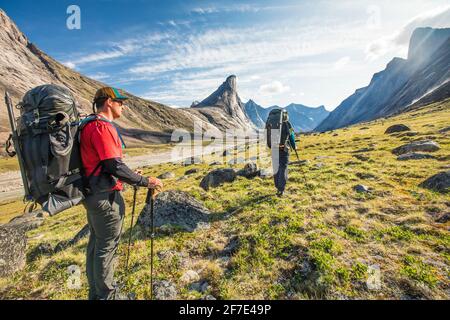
(101, 153)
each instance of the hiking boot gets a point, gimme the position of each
(280, 193)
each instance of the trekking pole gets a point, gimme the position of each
(152, 236)
(131, 227)
(17, 148)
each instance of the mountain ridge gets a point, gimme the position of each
(400, 84)
(303, 118)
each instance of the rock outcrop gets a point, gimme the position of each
(13, 244)
(175, 210)
(397, 128)
(217, 177)
(439, 182)
(424, 146)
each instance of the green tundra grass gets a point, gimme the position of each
(321, 241)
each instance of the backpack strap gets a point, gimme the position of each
(94, 117)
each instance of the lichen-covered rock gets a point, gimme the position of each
(189, 276)
(164, 290)
(217, 177)
(439, 182)
(424, 146)
(175, 209)
(13, 244)
(249, 171)
(397, 128)
(191, 171)
(27, 221)
(166, 175)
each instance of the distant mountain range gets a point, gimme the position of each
(423, 76)
(303, 118)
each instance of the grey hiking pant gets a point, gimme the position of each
(105, 214)
(280, 170)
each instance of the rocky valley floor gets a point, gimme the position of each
(352, 207)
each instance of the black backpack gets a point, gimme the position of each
(274, 126)
(47, 133)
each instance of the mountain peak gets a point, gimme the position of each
(231, 82)
(227, 99)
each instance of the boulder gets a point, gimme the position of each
(250, 170)
(27, 221)
(167, 175)
(175, 209)
(217, 177)
(397, 128)
(439, 182)
(424, 146)
(361, 188)
(415, 156)
(164, 290)
(189, 277)
(191, 171)
(214, 163)
(13, 244)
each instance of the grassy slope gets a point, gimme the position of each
(317, 242)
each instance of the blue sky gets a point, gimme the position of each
(174, 52)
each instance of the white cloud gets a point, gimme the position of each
(275, 87)
(95, 57)
(235, 8)
(99, 76)
(398, 41)
(341, 63)
(69, 64)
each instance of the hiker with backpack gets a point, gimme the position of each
(101, 153)
(65, 161)
(280, 139)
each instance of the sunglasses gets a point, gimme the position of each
(120, 102)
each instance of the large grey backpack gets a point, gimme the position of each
(47, 132)
(274, 125)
